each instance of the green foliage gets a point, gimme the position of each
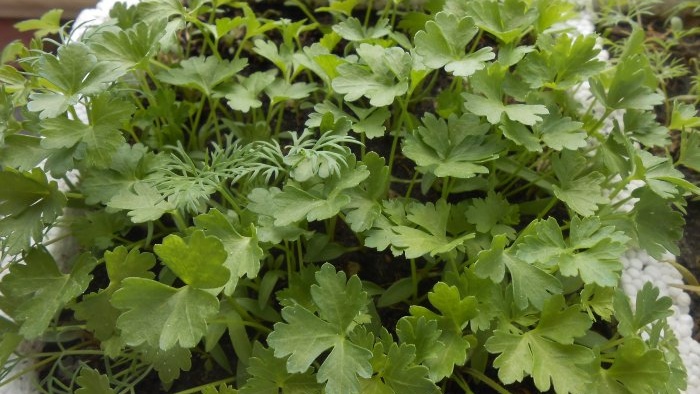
(305, 335)
(383, 76)
(547, 352)
(460, 155)
(39, 290)
(28, 202)
(443, 41)
(404, 200)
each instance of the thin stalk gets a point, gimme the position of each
(142, 376)
(414, 279)
(74, 196)
(446, 186)
(149, 233)
(397, 131)
(213, 105)
(179, 220)
(195, 122)
(229, 198)
(300, 253)
(289, 257)
(486, 380)
(476, 41)
(199, 389)
(552, 202)
(280, 118)
(411, 184)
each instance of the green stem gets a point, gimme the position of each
(410, 185)
(199, 389)
(149, 233)
(446, 186)
(213, 105)
(552, 202)
(75, 196)
(486, 380)
(397, 130)
(414, 279)
(179, 220)
(195, 123)
(229, 198)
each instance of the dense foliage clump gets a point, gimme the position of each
(342, 199)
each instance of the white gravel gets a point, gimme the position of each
(639, 267)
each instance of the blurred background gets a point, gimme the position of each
(13, 11)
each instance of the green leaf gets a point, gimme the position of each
(28, 201)
(143, 202)
(368, 121)
(520, 134)
(649, 307)
(627, 89)
(683, 116)
(73, 72)
(203, 73)
(455, 148)
(22, 152)
(130, 164)
(161, 316)
(561, 132)
(243, 252)
(642, 126)
(547, 352)
(383, 76)
(197, 262)
(508, 20)
(456, 311)
(245, 95)
(281, 90)
(95, 308)
(365, 207)
(422, 333)
(131, 48)
(320, 201)
(592, 251)
(402, 375)
(492, 110)
(98, 229)
(646, 215)
(490, 82)
(92, 382)
(48, 23)
(561, 62)
(280, 57)
(443, 42)
(168, 363)
(690, 150)
(96, 142)
(262, 203)
(268, 374)
(582, 194)
(635, 369)
(304, 336)
(660, 175)
(352, 29)
(493, 214)
(422, 230)
(40, 290)
(530, 284)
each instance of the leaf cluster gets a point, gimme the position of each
(393, 201)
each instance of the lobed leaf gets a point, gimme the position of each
(27, 202)
(40, 290)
